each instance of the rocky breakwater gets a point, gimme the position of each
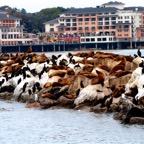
(95, 82)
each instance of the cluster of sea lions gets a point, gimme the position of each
(93, 81)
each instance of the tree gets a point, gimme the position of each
(41, 38)
(35, 31)
(48, 38)
(23, 11)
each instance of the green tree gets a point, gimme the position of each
(35, 31)
(23, 11)
(41, 38)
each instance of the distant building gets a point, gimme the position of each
(11, 32)
(110, 22)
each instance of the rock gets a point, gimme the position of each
(65, 102)
(6, 96)
(75, 85)
(119, 116)
(47, 103)
(114, 107)
(33, 105)
(137, 120)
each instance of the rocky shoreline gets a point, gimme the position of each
(96, 82)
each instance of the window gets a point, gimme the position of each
(74, 20)
(15, 36)
(51, 24)
(106, 27)
(80, 28)
(61, 19)
(3, 36)
(80, 19)
(106, 23)
(86, 23)
(110, 39)
(113, 13)
(87, 39)
(86, 19)
(68, 20)
(93, 28)
(74, 24)
(100, 19)
(100, 23)
(113, 18)
(126, 26)
(68, 24)
(92, 39)
(113, 27)
(67, 29)
(83, 40)
(62, 24)
(126, 34)
(93, 19)
(99, 39)
(103, 39)
(126, 17)
(119, 26)
(113, 23)
(99, 27)
(51, 29)
(92, 23)
(86, 28)
(74, 28)
(106, 18)
(99, 13)
(106, 13)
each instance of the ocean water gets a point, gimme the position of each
(123, 52)
(19, 125)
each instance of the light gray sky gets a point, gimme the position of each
(37, 5)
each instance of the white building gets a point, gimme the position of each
(11, 32)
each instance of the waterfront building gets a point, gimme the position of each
(11, 31)
(109, 23)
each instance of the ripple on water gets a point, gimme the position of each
(21, 125)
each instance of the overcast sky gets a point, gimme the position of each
(37, 5)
